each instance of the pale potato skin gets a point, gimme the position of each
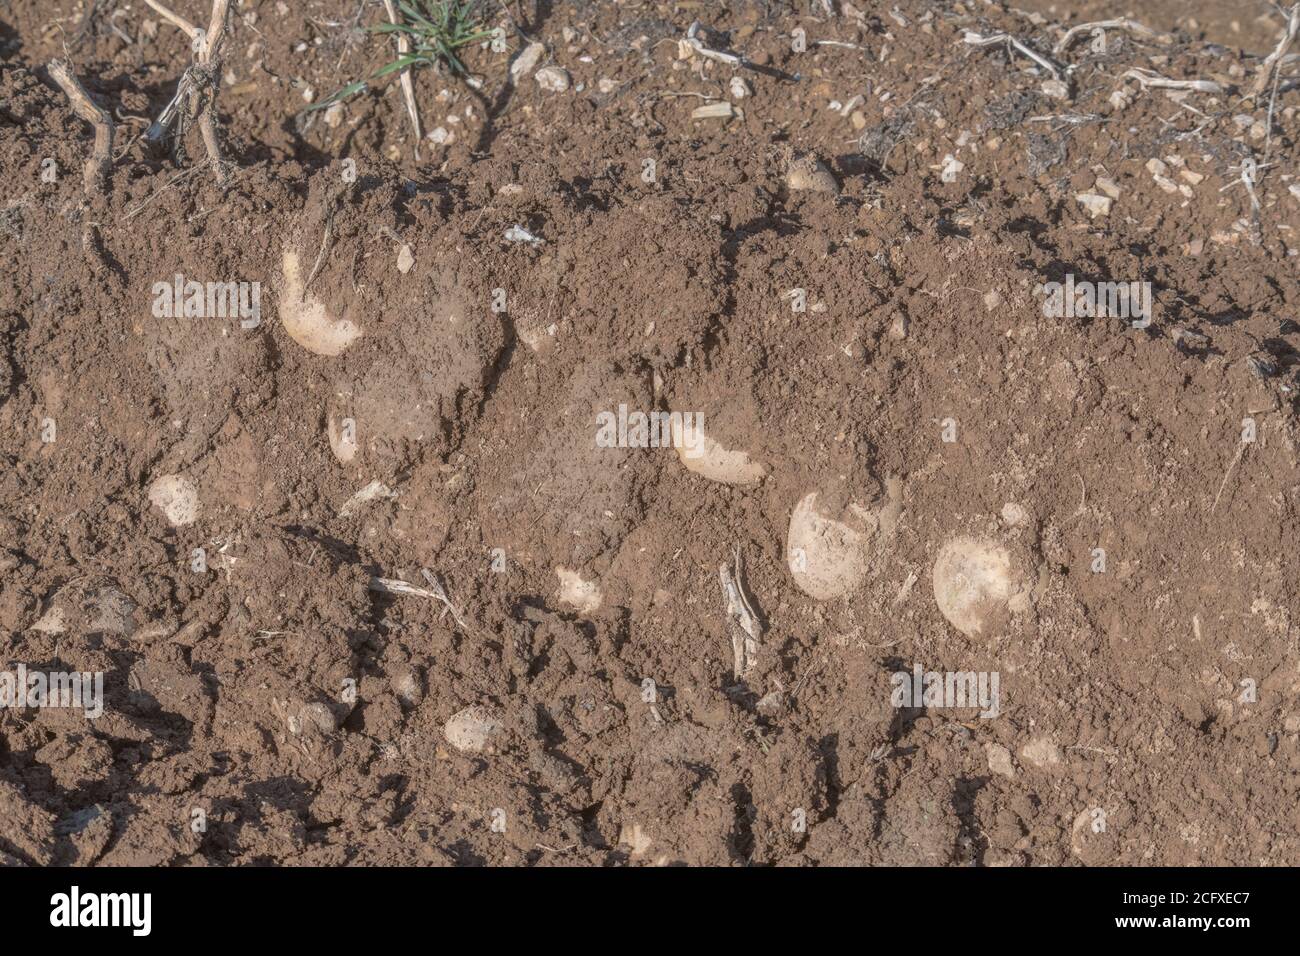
(973, 584)
(711, 460)
(177, 498)
(305, 317)
(472, 729)
(827, 557)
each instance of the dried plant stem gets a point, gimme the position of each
(175, 19)
(325, 244)
(1264, 79)
(1149, 79)
(1011, 43)
(101, 159)
(1123, 23)
(1241, 451)
(210, 57)
(405, 77)
(207, 56)
(743, 621)
(435, 591)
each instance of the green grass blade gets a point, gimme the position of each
(336, 96)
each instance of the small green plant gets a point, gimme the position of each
(434, 31)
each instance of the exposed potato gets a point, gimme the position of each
(578, 593)
(704, 456)
(975, 585)
(305, 317)
(84, 609)
(472, 729)
(177, 498)
(827, 554)
(807, 173)
(342, 442)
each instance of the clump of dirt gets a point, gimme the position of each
(357, 480)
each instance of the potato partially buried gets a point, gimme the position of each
(827, 552)
(808, 174)
(306, 318)
(177, 498)
(419, 382)
(977, 585)
(577, 592)
(703, 455)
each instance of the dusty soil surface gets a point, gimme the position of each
(179, 501)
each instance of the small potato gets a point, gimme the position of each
(305, 317)
(808, 174)
(827, 555)
(471, 730)
(83, 609)
(975, 585)
(704, 456)
(577, 593)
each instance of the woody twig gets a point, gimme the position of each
(101, 159)
(196, 93)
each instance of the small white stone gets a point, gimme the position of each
(553, 79)
(405, 259)
(1056, 89)
(472, 729)
(951, 167)
(1094, 205)
(520, 234)
(528, 58)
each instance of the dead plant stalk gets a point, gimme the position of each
(101, 159)
(407, 81)
(207, 64)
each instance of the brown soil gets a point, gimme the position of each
(1125, 695)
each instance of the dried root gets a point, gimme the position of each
(101, 159)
